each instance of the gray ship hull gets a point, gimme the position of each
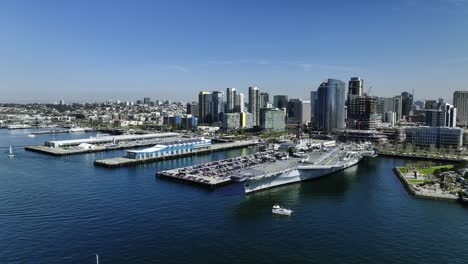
(298, 174)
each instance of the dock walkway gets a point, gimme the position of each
(124, 161)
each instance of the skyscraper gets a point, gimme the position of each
(280, 101)
(398, 107)
(313, 101)
(240, 103)
(460, 101)
(205, 108)
(355, 86)
(298, 111)
(330, 105)
(146, 100)
(254, 104)
(231, 97)
(407, 103)
(218, 105)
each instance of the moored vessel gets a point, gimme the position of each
(297, 170)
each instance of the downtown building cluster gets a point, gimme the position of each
(347, 111)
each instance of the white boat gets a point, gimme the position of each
(280, 210)
(76, 130)
(10, 154)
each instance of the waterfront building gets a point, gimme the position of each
(254, 104)
(111, 140)
(460, 101)
(435, 136)
(330, 105)
(298, 111)
(362, 112)
(356, 86)
(170, 149)
(272, 119)
(205, 104)
(406, 104)
(231, 121)
(280, 101)
(444, 116)
(362, 136)
(189, 122)
(246, 120)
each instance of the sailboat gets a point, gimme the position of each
(10, 154)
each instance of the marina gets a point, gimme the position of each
(129, 161)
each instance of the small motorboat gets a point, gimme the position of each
(280, 210)
(10, 154)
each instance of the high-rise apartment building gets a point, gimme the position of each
(254, 104)
(460, 101)
(330, 105)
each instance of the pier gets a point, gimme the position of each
(98, 144)
(50, 132)
(217, 173)
(125, 161)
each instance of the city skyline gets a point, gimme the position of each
(172, 50)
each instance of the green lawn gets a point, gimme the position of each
(426, 170)
(432, 169)
(415, 181)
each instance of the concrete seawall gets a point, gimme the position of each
(407, 156)
(410, 188)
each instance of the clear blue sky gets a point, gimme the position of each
(97, 50)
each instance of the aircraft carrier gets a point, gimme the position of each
(310, 165)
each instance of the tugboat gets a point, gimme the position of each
(10, 154)
(280, 210)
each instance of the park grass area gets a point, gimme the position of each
(419, 181)
(431, 170)
(426, 171)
